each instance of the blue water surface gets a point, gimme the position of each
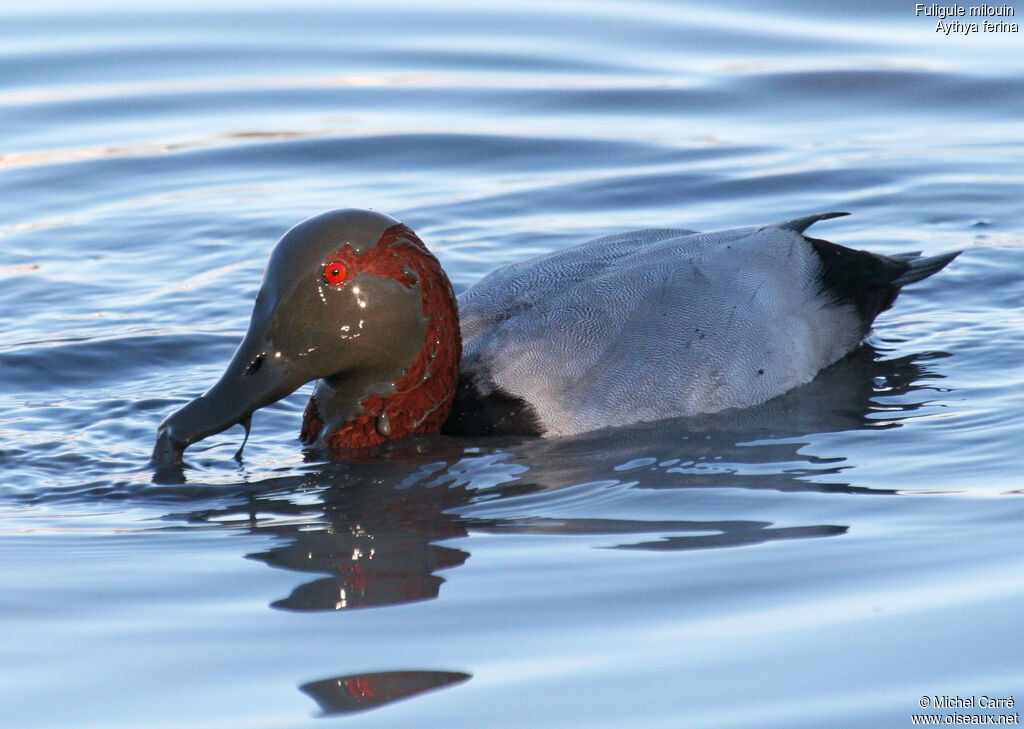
(826, 559)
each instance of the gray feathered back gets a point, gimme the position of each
(655, 323)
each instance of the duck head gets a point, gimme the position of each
(353, 300)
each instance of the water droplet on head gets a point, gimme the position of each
(384, 424)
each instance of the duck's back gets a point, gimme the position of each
(658, 323)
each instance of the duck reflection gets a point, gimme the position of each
(359, 692)
(379, 532)
(387, 550)
(377, 546)
(384, 531)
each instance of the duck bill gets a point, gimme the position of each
(257, 376)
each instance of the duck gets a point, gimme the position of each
(639, 326)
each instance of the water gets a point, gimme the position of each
(826, 559)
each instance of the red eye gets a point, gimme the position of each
(335, 272)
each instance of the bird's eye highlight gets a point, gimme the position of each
(335, 272)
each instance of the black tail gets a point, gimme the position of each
(920, 267)
(870, 281)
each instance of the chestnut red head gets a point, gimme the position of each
(351, 298)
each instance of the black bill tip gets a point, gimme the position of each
(168, 450)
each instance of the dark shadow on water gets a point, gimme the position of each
(744, 535)
(705, 534)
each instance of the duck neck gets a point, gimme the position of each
(420, 400)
